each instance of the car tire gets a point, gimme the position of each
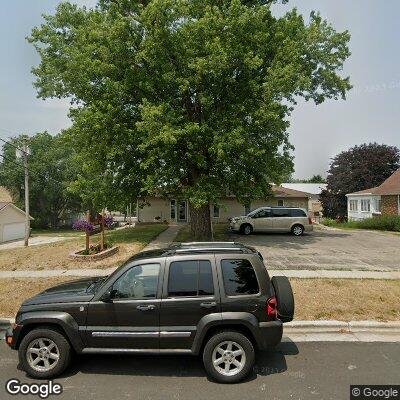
(52, 349)
(297, 230)
(239, 365)
(284, 298)
(246, 229)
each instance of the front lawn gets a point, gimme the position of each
(56, 255)
(221, 234)
(346, 299)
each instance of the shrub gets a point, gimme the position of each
(382, 223)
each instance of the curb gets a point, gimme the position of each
(332, 326)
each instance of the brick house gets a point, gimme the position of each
(380, 200)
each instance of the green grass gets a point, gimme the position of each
(221, 233)
(383, 223)
(142, 233)
(67, 232)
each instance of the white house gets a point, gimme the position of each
(383, 199)
(363, 204)
(12, 219)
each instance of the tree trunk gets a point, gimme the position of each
(200, 222)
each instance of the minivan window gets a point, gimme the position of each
(190, 278)
(281, 212)
(296, 212)
(262, 214)
(239, 277)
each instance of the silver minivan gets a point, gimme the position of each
(273, 219)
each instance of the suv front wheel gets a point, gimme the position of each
(297, 230)
(44, 353)
(228, 356)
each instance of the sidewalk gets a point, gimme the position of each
(164, 239)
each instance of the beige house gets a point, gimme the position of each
(12, 219)
(157, 209)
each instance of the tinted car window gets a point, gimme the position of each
(137, 283)
(190, 278)
(262, 214)
(239, 277)
(298, 213)
(281, 212)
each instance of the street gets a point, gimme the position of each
(291, 371)
(328, 249)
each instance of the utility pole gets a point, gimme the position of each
(24, 153)
(27, 220)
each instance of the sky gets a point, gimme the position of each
(370, 113)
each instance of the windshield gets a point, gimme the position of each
(95, 286)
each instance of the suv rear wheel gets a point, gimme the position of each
(297, 229)
(44, 353)
(228, 356)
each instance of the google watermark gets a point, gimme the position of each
(374, 392)
(43, 390)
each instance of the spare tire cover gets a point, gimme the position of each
(284, 297)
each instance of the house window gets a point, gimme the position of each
(353, 205)
(280, 203)
(378, 205)
(216, 211)
(173, 209)
(247, 209)
(366, 205)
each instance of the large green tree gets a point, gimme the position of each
(361, 167)
(52, 169)
(187, 98)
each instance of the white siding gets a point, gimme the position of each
(361, 210)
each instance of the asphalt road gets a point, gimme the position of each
(328, 249)
(291, 371)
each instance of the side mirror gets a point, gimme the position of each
(108, 296)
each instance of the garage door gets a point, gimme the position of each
(13, 231)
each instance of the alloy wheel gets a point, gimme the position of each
(228, 358)
(42, 354)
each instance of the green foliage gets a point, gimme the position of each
(382, 223)
(51, 170)
(314, 179)
(189, 98)
(361, 167)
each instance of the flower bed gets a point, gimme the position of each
(81, 255)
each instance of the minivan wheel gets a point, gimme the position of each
(44, 353)
(228, 357)
(246, 229)
(297, 230)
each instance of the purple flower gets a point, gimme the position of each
(82, 225)
(108, 221)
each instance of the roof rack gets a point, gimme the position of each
(210, 247)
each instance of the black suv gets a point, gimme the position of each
(212, 299)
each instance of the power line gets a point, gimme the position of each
(12, 161)
(13, 145)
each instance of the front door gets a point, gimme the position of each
(182, 211)
(190, 292)
(130, 319)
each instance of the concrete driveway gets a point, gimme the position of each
(33, 241)
(328, 249)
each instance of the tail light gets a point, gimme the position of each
(272, 310)
(310, 220)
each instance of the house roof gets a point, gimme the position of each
(390, 186)
(280, 191)
(312, 188)
(5, 204)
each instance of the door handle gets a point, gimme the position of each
(146, 307)
(208, 304)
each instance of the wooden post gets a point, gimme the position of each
(102, 231)
(86, 232)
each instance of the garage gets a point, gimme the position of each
(12, 222)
